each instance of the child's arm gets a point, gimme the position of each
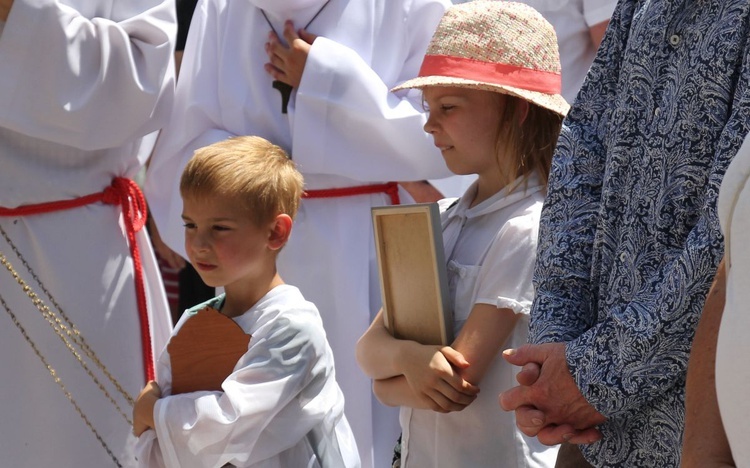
(143, 410)
(429, 376)
(481, 337)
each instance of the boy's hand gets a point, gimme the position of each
(143, 410)
(431, 372)
(287, 63)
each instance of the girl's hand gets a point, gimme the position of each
(430, 372)
(287, 63)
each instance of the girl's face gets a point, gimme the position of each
(465, 124)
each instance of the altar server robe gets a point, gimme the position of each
(81, 82)
(279, 408)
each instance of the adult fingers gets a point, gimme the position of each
(554, 434)
(530, 420)
(529, 374)
(306, 36)
(513, 398)
(290, 34)
(275, 72)
(586, 436)
(276, 51)
(526, 353)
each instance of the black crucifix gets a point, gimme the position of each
(286, 93)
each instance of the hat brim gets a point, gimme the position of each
(554, 102)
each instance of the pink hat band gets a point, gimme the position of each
(489, 72)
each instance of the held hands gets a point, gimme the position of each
(548, 403)
(143, 410)
(432, 372)
(288, 62)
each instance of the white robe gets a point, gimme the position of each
(81, 82)
(490, 250)
(344, 128)
(280, 407)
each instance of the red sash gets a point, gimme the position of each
(390, 189)
(128, 195)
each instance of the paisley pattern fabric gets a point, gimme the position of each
(630, 239)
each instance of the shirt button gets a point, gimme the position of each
(657, 111)
(623, 256)
(675, 39)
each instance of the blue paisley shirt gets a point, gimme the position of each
(629, 238)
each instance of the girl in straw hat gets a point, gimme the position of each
(491, 81)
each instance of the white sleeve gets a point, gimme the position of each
(267, 405)
(598, 11)
(195, 122)
(92, 76)
(348, 123)
(505, 279)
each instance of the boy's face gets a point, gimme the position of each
(222, 244)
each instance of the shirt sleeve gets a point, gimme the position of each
(601, 359)
(277, 394)
(562, 276)
(91, 76)
(505, 277)
(639, 349)
(195, 122)
(348, 123)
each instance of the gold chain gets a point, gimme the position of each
(70, 330)
(55, 377)
(70, 336)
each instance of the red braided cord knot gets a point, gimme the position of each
(390, 189)
(128, 195)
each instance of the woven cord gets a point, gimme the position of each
(125, 193)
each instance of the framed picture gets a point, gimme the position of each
(413, 278)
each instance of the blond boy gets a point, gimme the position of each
(281, 405)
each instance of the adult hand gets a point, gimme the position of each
(432, 373)
(173, 259)
(287, 63)
(143, 410)
(548, 404)
(5, 6)
(422, 191)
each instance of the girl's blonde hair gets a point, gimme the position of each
(526, 147)
(249, 170)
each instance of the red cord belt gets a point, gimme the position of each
(128, 195)
(390, 189)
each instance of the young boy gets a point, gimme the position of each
(281, 405)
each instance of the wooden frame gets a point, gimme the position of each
(413, 278)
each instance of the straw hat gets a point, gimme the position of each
(499, 46)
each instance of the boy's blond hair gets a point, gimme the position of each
(248, 169)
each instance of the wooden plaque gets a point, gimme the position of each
(413, 278)
(205, 350)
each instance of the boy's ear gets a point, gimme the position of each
(280, 231)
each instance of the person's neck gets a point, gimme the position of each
(487, 187)
(242, 297)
